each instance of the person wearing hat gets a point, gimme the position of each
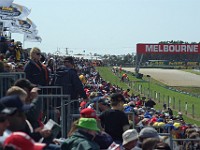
(17, 119)
(4, 112)
(103, 139)
(130, 138)
(99, 103)
(33, 126)
(115, 121)
(11, 51)
(34, 113)
(22, 141)
(145, 133)
(66, 76)
(103, 105)
(83, 137)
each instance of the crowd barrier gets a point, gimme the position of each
(51, 111)
(54, 106)
(8, 79)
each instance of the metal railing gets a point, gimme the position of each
(50, 113)
(8, 79)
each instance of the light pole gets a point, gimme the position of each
(66, 51)
(149, 77)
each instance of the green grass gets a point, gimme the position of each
(192, 90)
(192, 71)
(107, 75)
(166, 95)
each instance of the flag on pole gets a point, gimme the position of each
(23, 24)
(14, 11)
(32, 38)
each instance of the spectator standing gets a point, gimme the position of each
(115, 121)
(66, 76)
(150, 103)
(18, 51)
(3, 45)
(124, 77)
(36, 72)
(51, 69)
(11, 51)
(126, 93)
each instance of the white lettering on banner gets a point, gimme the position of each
(171, 48)
(156, 48)
(149, 48)
(165, 48)
(183, 48)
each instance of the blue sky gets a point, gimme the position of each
(111, 26)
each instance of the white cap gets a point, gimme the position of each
(129, 135)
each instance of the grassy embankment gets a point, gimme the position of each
(165, 93)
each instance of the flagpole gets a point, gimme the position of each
(23, 42)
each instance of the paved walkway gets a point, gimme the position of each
(171, 77)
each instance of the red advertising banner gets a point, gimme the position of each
(168, 48)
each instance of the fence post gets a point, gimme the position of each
(186, 106)
(151, 91)
(159, 97)
(171, 139)
(163, 99)
(168, 100)
(179, 105)
(65, 127)
(154, 95)
(173, 102)
(193, 110)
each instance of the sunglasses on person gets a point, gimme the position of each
(38, 53)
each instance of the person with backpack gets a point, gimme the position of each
(66, 76)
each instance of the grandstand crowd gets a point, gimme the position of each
(110, 117)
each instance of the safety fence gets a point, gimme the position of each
(180, 143)
(175, 143)
(8, 79)
(54, 106)
(59, 107)
(177, 103)
(168, 135)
